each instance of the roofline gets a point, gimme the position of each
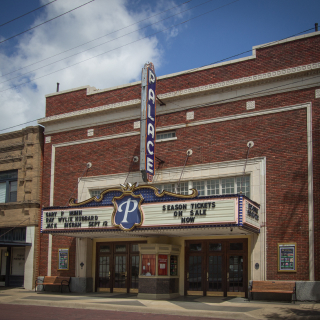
(93, 90)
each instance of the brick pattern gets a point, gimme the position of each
(281, 138)
(287, 55)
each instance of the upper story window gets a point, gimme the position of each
(212, 187)
(8, 186)
(16, 234)
(96, 193)
(164, 136)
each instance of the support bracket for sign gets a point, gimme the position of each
(161, 102)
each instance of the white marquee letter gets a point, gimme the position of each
(152, 77)
(150, 165)
(149, 113)
(127, 203)
(148, 147)
(151, 96)
(151, 130)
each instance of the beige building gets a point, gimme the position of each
(20, 192)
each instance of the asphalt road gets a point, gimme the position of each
(14, 312)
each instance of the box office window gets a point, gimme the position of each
(8, 186)
(148, 265)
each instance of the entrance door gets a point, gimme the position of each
(216, 267)
(215, 283)
(237, 269)
(104, 254)
(117, 267)
(194, 266)
(120, 268)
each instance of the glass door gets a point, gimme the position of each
(117, 268)
(104, 268)
(237, 268)
(120, 268)
(134, 269)
(215, 284)
(194, 268)
(216, 267)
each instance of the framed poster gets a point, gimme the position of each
(63, 259)
(287, 257)
(162, 265)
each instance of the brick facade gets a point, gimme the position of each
(279, 137)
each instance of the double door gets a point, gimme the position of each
(216, 267)
(117, 267)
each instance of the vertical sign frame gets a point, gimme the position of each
(287, 257)
(63, 259)
(148, 122)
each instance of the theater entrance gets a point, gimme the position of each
(117, 267)
(216, 267)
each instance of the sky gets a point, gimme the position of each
(105, 43)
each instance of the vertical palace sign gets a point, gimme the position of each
(148, 122)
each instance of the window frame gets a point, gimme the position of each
(8, 181)
(191, 184)
(173, 132)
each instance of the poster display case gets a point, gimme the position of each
(63, 259)
(287, 257)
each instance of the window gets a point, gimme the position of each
(8, 186)
(166, 136)
(232, 185)
(148, 265)
(16, 234)
(95, 193)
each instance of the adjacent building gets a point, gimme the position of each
(20, 209)
(234, 195)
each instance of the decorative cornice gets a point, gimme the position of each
(250, 79)
(181, 93)
(129, 189)
(90, 110)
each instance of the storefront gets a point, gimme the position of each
(160, 244)
(13, 252)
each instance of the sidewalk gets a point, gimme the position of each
(193, 306)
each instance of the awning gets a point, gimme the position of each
(14, 244)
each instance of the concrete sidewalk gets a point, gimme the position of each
(192, 306)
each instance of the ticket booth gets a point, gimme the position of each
(158, 272)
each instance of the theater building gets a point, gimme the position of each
(229, 190)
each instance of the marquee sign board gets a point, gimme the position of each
(131, 210)
(148, 122)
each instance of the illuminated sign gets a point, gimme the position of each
(135, 206)
(148, 122)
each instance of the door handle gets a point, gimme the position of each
(109, 274)
(125, 274)
(188, 276)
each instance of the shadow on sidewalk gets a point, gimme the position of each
(289, 314)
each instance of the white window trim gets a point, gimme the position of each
(165, 140)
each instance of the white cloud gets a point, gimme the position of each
(123, 65)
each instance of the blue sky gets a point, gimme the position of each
(215, 35)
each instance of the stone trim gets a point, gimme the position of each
(186, 92)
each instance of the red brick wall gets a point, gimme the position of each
(268, 59)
